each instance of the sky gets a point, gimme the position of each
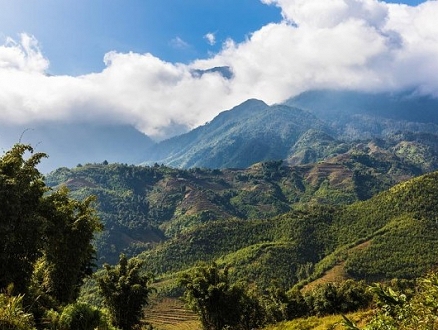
(146, 62)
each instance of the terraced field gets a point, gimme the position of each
(170, 314)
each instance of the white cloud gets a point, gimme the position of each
(24, 55)
(355, 44)
(211, 38)
(178, 43)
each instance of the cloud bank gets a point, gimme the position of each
(339, 44)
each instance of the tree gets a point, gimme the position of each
(67, 249)
(21, 225)
(219, 304)
(125, 291)
(45, 236)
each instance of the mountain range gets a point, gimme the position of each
(70, 144)
(253, 131)
(305, 128)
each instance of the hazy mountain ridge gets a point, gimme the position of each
(359, 115)
(247, 134)
(253, 131)
(72, 144)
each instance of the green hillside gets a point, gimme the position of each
(141, 206)
(270, 222)
(392, 235)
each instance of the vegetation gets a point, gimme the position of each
(220, 304)
(141, 206)
(125, 291)
(253, 246)
(46, 253)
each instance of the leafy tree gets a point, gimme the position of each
(21, 225)
(45, 236)
(344, 297)
(81, 316)
(125, 291)
(68, 252)
(400, 310)
(218, 303)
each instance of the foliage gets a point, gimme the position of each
(81, 316)
(125, 291)
(13, 316)
(281, 305)
(220, 304)
(68, 252)
(21, 225)
(337, 298)
(398, 311)
(45, 240)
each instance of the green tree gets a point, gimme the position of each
(45, 236)
(67, 251)
(218, 303)
(400, 310)
(125, 290)
(21, 225)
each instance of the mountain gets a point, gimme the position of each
(359, 115)
(237, 138)
(72, 144)
(305, 129)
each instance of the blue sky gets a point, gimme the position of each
(75, 34)
(133, 61)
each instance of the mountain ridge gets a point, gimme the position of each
(341, 115)
(250, 132)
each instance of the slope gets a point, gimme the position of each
(79, 143)
(249, 133)
(399, 227)
(141, 206)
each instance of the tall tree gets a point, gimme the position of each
(125, 290)
(42, 230)
(219, 304)
(21, 225)
(67, 251)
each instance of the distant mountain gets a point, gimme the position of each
(358, 115)
(307, 128)
(71, 144)
(249, 133)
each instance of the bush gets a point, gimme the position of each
(12, 315)
(78, 316)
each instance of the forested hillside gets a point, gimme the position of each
(391, 236)
(144, 206)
